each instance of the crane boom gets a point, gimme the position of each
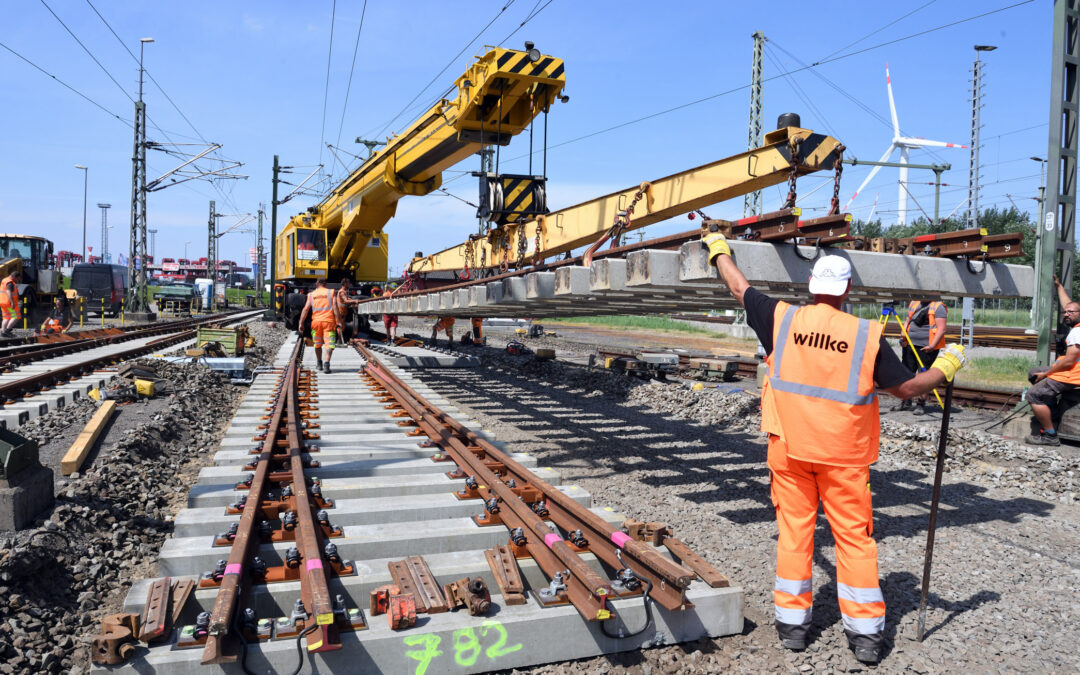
(497, 98)
(583, 224)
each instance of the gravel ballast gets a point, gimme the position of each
(75, 565)
(1003, 589)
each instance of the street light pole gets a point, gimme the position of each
(86, 174)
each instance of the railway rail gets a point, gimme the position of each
(34, 370)
(417, 500)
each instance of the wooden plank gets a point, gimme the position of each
(78, 451)
(707, 572)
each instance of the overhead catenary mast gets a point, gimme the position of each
(752, 200)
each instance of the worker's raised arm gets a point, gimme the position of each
(720, 254)
(1063, 295)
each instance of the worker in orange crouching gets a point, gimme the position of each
(446, 325)
(820, 412)
(321, 306)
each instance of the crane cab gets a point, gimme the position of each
(301, 254)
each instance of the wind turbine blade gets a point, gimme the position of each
(922, 142)
(892, 103)
(873, 173)
(873, 208)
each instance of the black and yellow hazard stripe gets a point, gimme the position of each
(518, 63)
(517, 198)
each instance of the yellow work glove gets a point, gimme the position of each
(950, 360)
(717, 245)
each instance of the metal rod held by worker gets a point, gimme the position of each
(934, 510)
(918, 359)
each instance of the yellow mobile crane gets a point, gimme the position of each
(497, 98)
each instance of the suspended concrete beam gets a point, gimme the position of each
(660, 282)
(876, 277)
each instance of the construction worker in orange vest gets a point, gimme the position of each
(445, 324)
(59, 319)
(10, 307)
(477, 329)
(325, 322)
(820, 412)
(1063, 375)
(925, 327)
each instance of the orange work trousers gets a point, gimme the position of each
(797, 487)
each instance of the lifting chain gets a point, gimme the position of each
(483, 257)
(538, 259)
(834, 205)
(622, 218)
(522, 244)
(793, 172)
(465, 274)
(504, 242)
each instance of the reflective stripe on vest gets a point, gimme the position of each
(931, 316)
(322, 305)
(9, 298)
(819, 389)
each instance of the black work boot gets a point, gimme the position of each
(318, 365)
(326, 367)
(792, 637)
(867, 648)
(902, 405)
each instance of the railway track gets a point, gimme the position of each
(344, 483)
(38, 377)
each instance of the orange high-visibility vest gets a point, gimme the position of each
(819, 388)
(445, 323)
(913, 307)
(322, 306)
(9, 292)
(1071, 376)
(477, 322)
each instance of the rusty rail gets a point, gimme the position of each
(497, 476)
(14, 390)
(280, 463)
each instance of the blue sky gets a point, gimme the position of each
(252, 76)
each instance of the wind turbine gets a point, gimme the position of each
(905, 144)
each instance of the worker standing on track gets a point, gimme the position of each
(820, 412)
(345, 303)
(325, 320)
(445, 324)
(390, 321)
(59, 319)
(10, 307)
(925, 327)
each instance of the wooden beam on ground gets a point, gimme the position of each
(78, 451)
